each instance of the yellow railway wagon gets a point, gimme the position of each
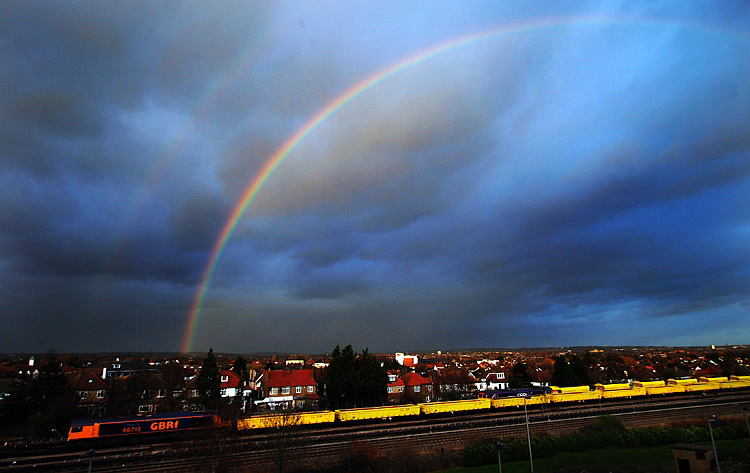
(282, 420)
(716, 379)
(518, 401)
(454, 406)
(734, 384)
(620, 393)
(612, 391)
(574, 397)
(570, 389)
(611, 387)
(739, 378)
(383, 412)
(534, 400)
(683, 382)
(507, 402)
(664, 389)
(648, 384)
(700, 387)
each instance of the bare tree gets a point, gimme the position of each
(284, 438)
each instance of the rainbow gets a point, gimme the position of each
(252, 189)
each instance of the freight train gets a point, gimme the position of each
(168, 423)
(177, 422)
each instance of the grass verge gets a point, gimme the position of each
(653, 458)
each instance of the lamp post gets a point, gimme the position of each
(528, 435)
(711, 431)
(90, 454)
(500, 447)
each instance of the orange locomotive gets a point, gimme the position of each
(157, 424)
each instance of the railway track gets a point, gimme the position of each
(317, 446)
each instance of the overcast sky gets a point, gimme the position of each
(573, 176)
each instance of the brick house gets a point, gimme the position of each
(92, 393)
(417, 388)
(287, 388)
(395, 388)
(229, 382)
(157, 396)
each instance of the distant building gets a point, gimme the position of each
(118, 369)
(692, 458)
(407, 360)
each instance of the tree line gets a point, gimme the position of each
(353, 380)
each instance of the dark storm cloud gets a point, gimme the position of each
(580, 183)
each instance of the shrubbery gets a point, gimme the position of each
(606, 431)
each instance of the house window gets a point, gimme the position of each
(298, 390)
(285, 390)
(417, 388)
(274, 391)
(223, 392)
(311, 389)
(429, 387)
(100, 394)
(84, 394)
(146, 408)
(390, 389)
(400, 389)
(116, 366)
(501, 375)
(225, 379)
(195, 393)
(162, 393)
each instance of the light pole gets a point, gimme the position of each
(90, 454)
(500, 447)
(711, 431)
(528, 435)
(745, 409)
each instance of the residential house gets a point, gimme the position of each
(454, 384)
(540, 378)
(118, 369)
(496, 381)
(157, 396)
(287, 389)
(92, 393)
(417, 388)
(395, 387)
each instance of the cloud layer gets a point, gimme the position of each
(584, 182)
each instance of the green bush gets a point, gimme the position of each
(606, 431)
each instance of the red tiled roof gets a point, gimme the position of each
(85, 382)
(232, 379)
(413, 379)
(290, 378)
(398, 382)
(495, 378)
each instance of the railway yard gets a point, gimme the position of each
(435, 440)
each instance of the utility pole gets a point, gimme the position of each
(500, 447)
(711, 431)
(528, 435)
